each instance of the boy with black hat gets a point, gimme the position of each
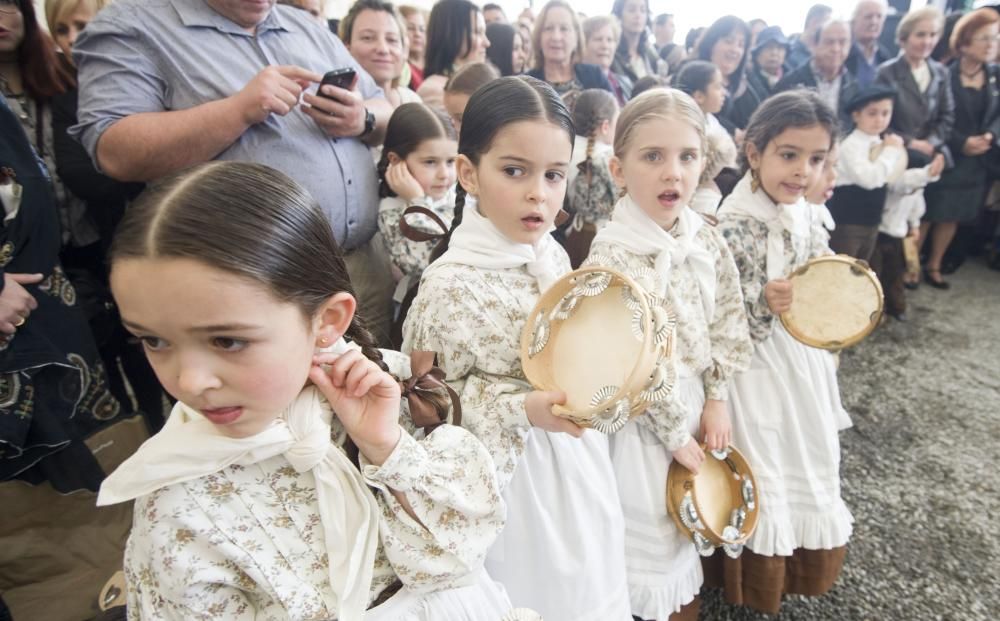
(867, 163)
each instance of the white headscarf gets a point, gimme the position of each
(633, 229)
(778, 218)
(190, 447)
(477, 242)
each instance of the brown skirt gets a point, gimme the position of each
(759, 581)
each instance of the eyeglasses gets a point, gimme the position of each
(9, 7)
(979, 39)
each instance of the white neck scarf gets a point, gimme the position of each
(477, 242)
(633, 229)
(778, 218)
(190, 447)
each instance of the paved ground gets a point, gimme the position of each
(920, 466)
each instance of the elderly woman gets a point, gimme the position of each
(558, 44)
(601, 34)
(456, 36)
(636, 56)
(374, 34)
(975, 85)
(924, 113)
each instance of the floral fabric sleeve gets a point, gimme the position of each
(462, 318)
(411, 257)
(748, 243)
(174, 572)
(728, 331)
(450, 485)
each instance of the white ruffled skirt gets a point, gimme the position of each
(664, 569)
(562, 551)
(786, 413)
(484, 599)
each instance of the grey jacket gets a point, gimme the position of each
(926, 116)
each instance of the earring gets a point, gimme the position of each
(754, 180)
(323, 342)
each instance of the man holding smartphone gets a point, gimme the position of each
(169, 84)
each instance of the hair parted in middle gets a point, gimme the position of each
(799, 108)
(503, 102)
(657, 103)
(410, 125)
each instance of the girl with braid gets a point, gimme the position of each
(592, 191)
(562, 551)
(247, 504)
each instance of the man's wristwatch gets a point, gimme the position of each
(369, 123)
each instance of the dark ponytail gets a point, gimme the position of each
(694, 76)
(500, 103)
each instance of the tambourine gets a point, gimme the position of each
(717, 508)
(597, 335)
(836, 302)
(901, 162)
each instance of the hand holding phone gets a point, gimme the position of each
(341, 78)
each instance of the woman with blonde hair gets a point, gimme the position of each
(601, 34)
(557, 41)
(924, 113)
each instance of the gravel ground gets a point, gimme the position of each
(918, 465)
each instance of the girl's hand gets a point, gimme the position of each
(937, 166)
(893, 140)
(402, 182)
(538, 406)
(365, 399)
(716, 429)
(690, 456)
(778, 294)
(914, 233)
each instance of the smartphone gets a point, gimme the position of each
(341, 78)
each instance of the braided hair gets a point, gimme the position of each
(593, 108)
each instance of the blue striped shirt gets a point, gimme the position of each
(160, 55)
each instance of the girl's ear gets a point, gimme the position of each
(333, 318)
(753, 155)
(617, 172)
(699, 98)
(467, 174)
(393, 158)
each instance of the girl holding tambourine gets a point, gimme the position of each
(786, 407)
(683, 262)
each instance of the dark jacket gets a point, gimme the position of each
(856, 60)
(926, 116)
(803, 77)
(959, 195)
(621, 66)
(589, 76)
(758, 89)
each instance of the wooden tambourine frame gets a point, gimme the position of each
(901, 162)
(836, 300)
(720, 506)
(595, 335)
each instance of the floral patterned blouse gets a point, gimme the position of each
(714, 350)
(411, 257)
(747, 238)
(247, 543)
(593, 200)
(472, 317)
